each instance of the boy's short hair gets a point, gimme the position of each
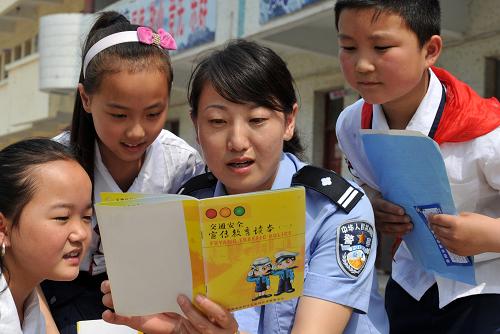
(423, 17)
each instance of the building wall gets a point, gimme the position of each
(186, 130)
(466, 58)
(21, 102)
(315, 75)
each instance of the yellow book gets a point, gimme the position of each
(240, 250)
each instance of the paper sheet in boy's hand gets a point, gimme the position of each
(410, 172)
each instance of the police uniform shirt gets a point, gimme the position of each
(168, 164)
(33, 323)
(325, 276)
(473, 169)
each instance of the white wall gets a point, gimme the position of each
(466, 58)
(20, 100)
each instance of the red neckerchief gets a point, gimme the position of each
(466, 116)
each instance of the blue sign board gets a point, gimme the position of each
(190, 22)
(269, 9)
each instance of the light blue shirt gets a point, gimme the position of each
(324, 276)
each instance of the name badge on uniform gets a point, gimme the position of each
(354, 240)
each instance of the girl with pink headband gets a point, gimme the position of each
(117, 132)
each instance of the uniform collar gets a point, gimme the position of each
(424, 116)
(33, 321)
(288, 165)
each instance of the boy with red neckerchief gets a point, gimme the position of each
(388, 49)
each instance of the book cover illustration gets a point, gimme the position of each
(239, 250)
(410, 172)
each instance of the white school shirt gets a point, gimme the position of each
(168, 164)
(473, 169)
(34, 322)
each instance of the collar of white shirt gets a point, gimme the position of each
(33, 323)
(423, 118)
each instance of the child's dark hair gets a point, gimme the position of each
(423, 17)
(124, 56)
(17, 181)
(246, 72)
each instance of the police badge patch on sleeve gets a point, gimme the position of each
(354, 240)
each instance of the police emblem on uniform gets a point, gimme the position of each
(354, 241)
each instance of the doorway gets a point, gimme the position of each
(332, 156)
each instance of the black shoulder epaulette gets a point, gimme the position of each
(330, 184)
(203, 181)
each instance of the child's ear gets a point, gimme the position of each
(290, 122)
(4, 231)
(433, 49)
(85, 98)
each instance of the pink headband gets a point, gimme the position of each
(144, 35)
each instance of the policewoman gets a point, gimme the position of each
(244, 107)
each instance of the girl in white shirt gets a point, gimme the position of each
(45, 227)
(117, 131)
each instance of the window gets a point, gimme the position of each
(35, 42)
(8, 56)
(492, 78)
(17, 52)
(172, 126)
(7, 59)
(27, 47)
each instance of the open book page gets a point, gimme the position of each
(147, 253)
(254, 247)
(102, 327)
(240, 250)
(410, 172)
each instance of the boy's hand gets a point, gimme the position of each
(466, 234)
(389, 217)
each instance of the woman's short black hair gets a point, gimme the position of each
(245, 72)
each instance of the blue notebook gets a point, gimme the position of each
(410, 172)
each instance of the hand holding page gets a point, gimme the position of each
(410, 172)
(240, 250)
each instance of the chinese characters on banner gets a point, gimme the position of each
(190, 22)
(270, 9)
